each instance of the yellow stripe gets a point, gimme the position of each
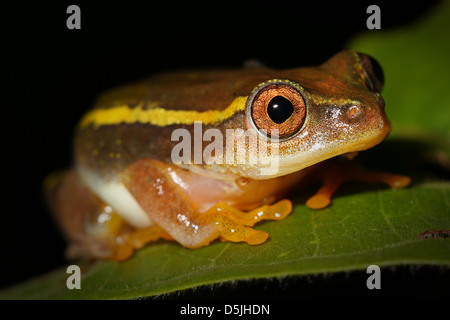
(159, 116)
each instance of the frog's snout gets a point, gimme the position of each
(377, 124)
(384, 123)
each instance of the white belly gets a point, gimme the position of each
(118, 197)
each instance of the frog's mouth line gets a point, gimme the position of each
(373, 139)
(368, 141)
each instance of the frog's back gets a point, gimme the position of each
(202, 90)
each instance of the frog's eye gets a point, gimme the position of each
(373, 71)
(277, 105)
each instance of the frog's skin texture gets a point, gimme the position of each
(125, 191)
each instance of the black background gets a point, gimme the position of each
(52, 75)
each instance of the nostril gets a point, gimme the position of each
(353, 112)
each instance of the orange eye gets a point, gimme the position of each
(277, 105)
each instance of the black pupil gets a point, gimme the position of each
(280, 109)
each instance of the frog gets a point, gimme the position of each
(125, 190)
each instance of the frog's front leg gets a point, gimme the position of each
(335, 172)
(170, 208)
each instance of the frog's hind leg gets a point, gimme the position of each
(151, 184)
(90, 226)
(335, 172)
(93, 228)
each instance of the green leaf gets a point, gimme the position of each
(415, 62)
(364, 225)
(379, 226)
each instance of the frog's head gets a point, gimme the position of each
(319, 112)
